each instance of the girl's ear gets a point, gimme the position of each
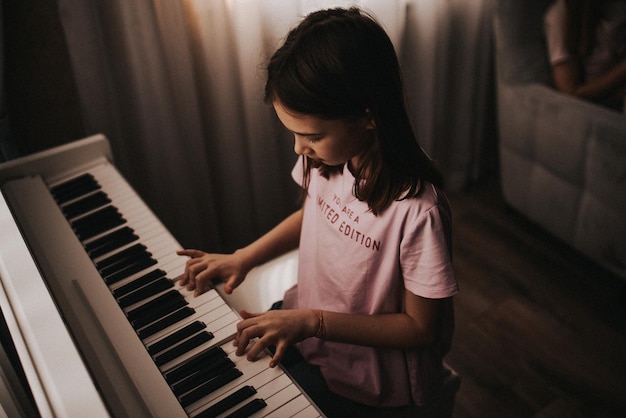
(371, 123)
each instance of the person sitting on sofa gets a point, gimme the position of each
(586, 42)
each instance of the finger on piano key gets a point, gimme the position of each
(193, 300)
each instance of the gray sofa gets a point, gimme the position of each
(563, 160)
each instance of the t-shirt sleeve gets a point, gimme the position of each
(553, 26)
(425, 255)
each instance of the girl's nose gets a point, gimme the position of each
(300, 147)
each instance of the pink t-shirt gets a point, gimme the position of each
(352, 261)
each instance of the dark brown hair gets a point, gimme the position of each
(340, 64)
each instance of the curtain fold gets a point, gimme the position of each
(177, 87)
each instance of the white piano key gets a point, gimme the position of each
(278, 400)
(309, 412)
(296, 407)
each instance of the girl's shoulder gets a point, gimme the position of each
(429, 198)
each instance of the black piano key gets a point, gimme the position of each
(110, 242)
(136, 254)
(97, 223)
(248, 409)
(228, 402)
(175, 337)
(157, 308)
(74, 188)
(209, 387)
(86, 204)
(182, 348)
(168, 298)
(138, 283)
(199, 377)
(130, 253)
(93, 219)
(128, 271)
(165, 322)
(204, 359)
(140, 258)
(158, 313)
(145, 292)
(73, 183)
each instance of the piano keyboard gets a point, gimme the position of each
(188, 339)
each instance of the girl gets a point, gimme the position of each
(587, 49)
(372, 310)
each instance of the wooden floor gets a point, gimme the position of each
(540, 331)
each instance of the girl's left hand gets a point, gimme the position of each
(280, 328)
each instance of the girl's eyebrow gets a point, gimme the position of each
(305, 134)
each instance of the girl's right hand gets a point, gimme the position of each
(203, 267)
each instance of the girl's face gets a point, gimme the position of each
(332, 142)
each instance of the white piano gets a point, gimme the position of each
(93, 323)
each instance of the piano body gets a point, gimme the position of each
(92, 321)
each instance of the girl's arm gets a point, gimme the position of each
(419, 325)
(202, 267)
(567, 78)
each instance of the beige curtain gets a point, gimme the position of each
(177, 87)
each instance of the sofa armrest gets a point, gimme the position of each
(563, 164)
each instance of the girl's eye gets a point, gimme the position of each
(314, 138)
